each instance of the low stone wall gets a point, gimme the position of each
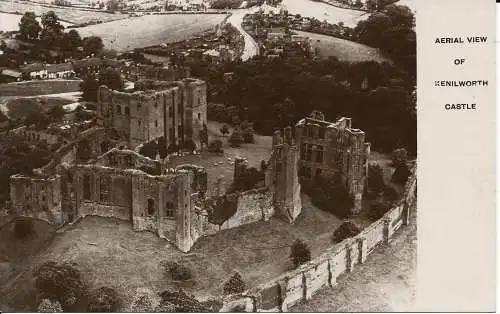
(95, 209)
(302, 283)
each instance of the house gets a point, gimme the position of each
(9, 75)
(33, 71)
(61, 70)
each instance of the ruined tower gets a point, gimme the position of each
(283, 175)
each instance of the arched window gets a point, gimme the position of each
(151, 207)
(86, 187)
(127, 111)
(118, 109)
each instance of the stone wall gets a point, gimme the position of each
(301, 284)
(252, 206)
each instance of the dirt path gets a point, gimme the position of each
(385, 283)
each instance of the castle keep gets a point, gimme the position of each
(175, 111)
(333, 150)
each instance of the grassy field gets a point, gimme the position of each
(10, 22)
(343, 49)
(385, 283)
(21, 107)
(34, 88)
(108, 252)
(72, 15)
(151, 30)
(323, 11)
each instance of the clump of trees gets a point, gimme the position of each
(235, 284)
(91, 82)
(299, 253)
(329, 194)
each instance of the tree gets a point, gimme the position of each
(59, 282)
(29, 26)
(376, 178)
(399, 156)
(401, 174)
(371, 30)
(235, 284)
(224, 130)
(47, 306)
(236, 138)
(89, 87)
(72, 40)
(52, 30)
(111, 78)
(347, 229)
(92, 45)
(300, 253)
(104, 299)
(400, 15)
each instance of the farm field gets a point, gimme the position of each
(323, 11)
(343, 49)
(34, 88)
(149, 30)
(68, 14)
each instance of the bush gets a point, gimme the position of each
(215, 147)
(182, 302)
(390, 194)
(234, 285)
(47, 306)
(59, 282)
(346, 230)
(399, 156)
(23, 227)
(300, 253)
(104, 299)
(177, 271)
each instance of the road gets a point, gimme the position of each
(251, 48)
(385, 283)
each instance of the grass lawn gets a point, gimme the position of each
(343, 49)
(149, 30)
(108, 252)
(34, 88)
(224, 165)
(21, 107)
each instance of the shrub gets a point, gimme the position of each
(390, 194)
(300, 253)
(23, 227)
(236, 138)
(235, 284)
(377, 210)
(346, 230)
(59, 282)
(215, 147)
(104, 299)
(329, 194)
(177, 270)
(182, 302)
(47, 306)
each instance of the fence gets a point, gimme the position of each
(302, 283)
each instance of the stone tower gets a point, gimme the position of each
(283, 175)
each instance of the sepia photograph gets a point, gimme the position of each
(208, 155)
